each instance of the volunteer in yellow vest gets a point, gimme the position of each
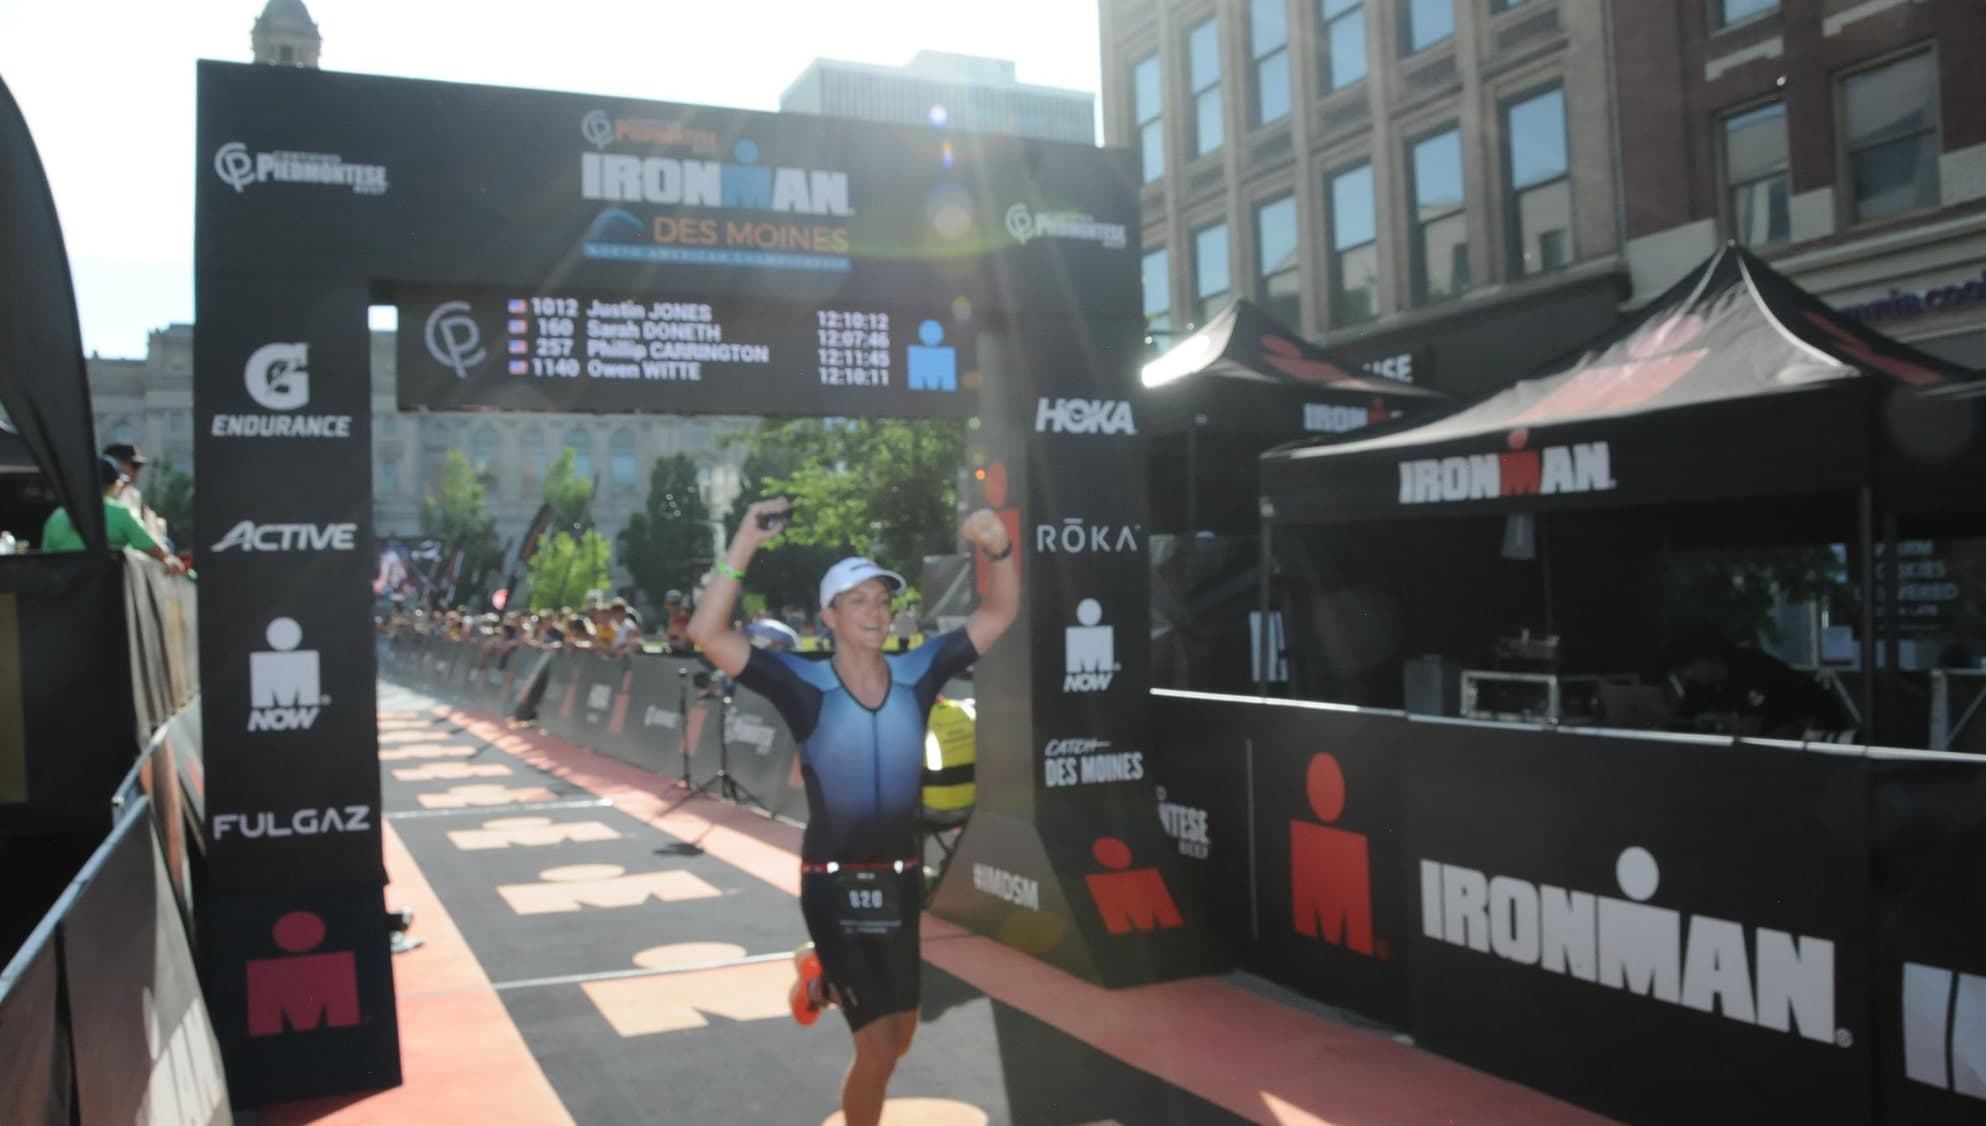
(59, 533)
(949, 784)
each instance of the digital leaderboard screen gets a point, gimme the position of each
(606, 352)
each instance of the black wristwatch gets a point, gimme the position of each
(996, 558)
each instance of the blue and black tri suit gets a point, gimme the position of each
(863, 770)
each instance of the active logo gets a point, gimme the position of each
(1075, 536)
(277, 377)
(1944, 1029)
(1771, 979)
(1084, 762)
(1083, 416)
(454, 338)
(1002, 884)
(1091, 659)
(250, 536)
(283, 688)
(1129, 898)
(302, 991)
(238, 168)
(301, 823)
(1585, 467)
(1025, 224)
(1186, 825)
(1330, 869)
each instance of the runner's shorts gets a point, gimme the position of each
(875, 973)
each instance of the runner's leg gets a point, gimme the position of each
(876, 1053)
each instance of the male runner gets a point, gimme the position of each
(859, 720)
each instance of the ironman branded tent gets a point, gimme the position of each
(1735, 394)
(1238, 386)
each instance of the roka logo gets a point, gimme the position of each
(1091, 661)
(283, 689)
(1944, 1016)
(278, 376)
(1083, 416)
(250, 536)
(1770, 979)
(1077, 537)
(304, 991)
(1330, 869)
(1129, 898)
(302, 823)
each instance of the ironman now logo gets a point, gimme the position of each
(284, 693)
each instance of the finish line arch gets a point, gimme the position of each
(563, 252)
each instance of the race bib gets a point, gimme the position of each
(869, 902)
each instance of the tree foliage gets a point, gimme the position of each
(169, 492)
(568, 494)
(668, 546)
(1732, 593)
(565, 569)
(454, 515)
(884, 488)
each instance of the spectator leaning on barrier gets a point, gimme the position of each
(676, 612)
(59, 532)
(132, 464)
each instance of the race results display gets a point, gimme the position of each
(569, 351)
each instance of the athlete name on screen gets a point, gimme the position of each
(662, 340)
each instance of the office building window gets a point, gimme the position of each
(1268, 37)
(1724, 13)
(1210, 276)
(534, 463)
(1344, 42)
(1158, 296)
(1755, 174)
(1281, 287)
(389, 478)
(1203, 70)
(1441, 222)
(1504, 5)
(581, 445)
(1428, 22)
(1890, 123)
(1540, 186)
(1354, 248)
(483, 450)
(620, 460)
(1148, 102)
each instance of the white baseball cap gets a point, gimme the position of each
(853, 572)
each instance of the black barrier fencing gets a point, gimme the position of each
(102, 1016)
(1664, 929)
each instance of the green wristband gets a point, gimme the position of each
(729, 572)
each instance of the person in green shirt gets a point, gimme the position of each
(59, 532)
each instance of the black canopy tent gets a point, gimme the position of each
(1242, 384)
(1735, 389)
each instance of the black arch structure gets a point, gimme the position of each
(783, 265)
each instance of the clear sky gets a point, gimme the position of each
(108, 89)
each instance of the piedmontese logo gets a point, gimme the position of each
(1185, 824)
(1002, 884)
(1075, 537)
(1025, 224)
(283, 683)
(1084, 762)
(1083, 416)
(277, 377)
(300, 823)
(250, 536)
(1584, 467)
(1774, 979)
(1091, 658)
(238, 168)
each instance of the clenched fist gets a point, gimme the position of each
(984, 530)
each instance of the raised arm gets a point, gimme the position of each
(710, 626)
(1002, 602)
